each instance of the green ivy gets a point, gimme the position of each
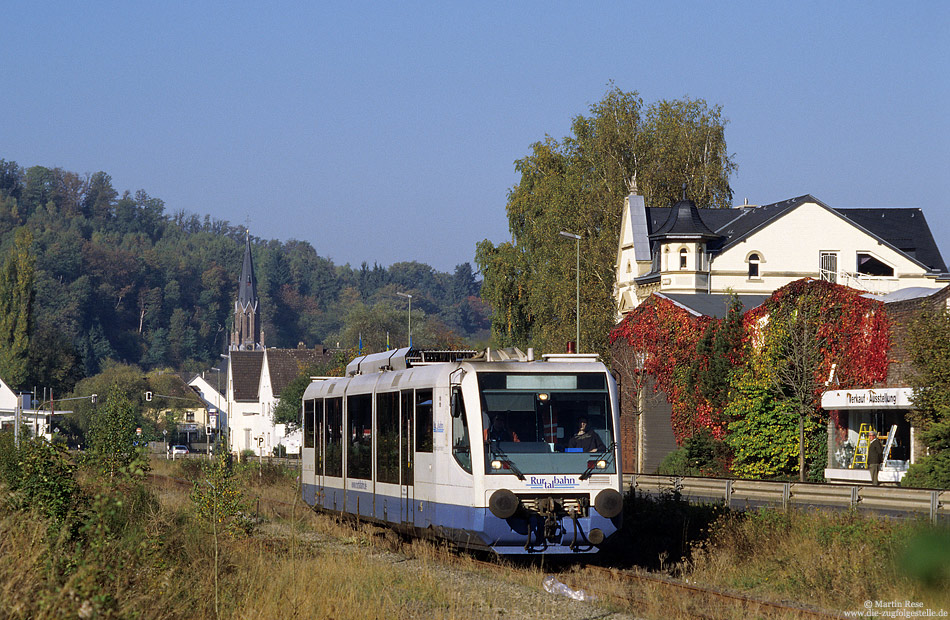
(763, 433)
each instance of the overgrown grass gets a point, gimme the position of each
(137, 550)
(131, 549)
(831, 559)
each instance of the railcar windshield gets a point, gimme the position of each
(537, 423)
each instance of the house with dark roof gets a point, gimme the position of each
(243, 391)
(255, 382)
(754, 250)
(697, 259)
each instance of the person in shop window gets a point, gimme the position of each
(875, 456)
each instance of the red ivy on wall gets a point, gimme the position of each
(668, 337)
(854, 334)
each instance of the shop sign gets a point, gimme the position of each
(884, 398)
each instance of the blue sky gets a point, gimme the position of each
(386, 132)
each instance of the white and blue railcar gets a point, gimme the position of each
(497, 451)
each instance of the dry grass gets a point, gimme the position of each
(302, 564)
(831, 560)
(157, 561)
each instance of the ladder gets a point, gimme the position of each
(891, 438)
(861, 450)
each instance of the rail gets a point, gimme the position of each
(740, 494)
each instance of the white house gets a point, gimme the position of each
(211, 387)
(37, 422)
(758, 249)
(255, 380)
(698, 258)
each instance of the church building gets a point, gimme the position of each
(255, 376)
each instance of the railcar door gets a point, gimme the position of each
(405, 456)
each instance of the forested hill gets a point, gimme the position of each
(117, 277)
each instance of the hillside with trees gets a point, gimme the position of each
(91, 274)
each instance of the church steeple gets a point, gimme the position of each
(246, 334)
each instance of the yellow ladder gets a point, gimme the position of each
(861, 450)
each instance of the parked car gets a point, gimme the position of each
(179, 450)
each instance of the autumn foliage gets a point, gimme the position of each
(723, 374)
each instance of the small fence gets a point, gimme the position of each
(290, 463)
(741, 494)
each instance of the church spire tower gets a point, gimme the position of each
(246, 335)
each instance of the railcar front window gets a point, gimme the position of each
(547, 423)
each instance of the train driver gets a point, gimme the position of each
(499, 431)
(585, 438)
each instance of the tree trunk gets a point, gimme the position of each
(801, 447)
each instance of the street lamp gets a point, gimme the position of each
(407, 295)
(577, 241)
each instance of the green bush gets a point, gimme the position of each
(933, 470)
(930, 472)
(191, 469)
(701, 455)
(218, 500)
(47, 482)
(10, 467)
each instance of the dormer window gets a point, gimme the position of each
(683, 254)
(754, 261)
(870, 266)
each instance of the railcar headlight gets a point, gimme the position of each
(608, 503)
(601, 464)
(496, 464)
(543, 396)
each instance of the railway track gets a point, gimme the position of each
(628, 590)
(704, 601)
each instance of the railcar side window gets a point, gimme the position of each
(359, 453)
(406, 449)
(318, 438)
(461, 448)
(387, 437)
(424, 420)
(308, 408)
(333, 438)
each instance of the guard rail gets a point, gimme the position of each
(741, 494)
